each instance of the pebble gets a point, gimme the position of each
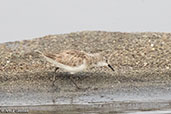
(131, 56)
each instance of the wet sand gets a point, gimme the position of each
(141, 62)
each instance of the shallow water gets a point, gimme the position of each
(152, 112)
(124, 94)
(106, 108)
(126, 100)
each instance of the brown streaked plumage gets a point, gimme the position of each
(75, 58)
(71, 58)
(75, 61)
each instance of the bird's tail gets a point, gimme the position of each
(47, 56)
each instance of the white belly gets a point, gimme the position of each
(73, 70)
(67, 68)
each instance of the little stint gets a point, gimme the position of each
(74, 61)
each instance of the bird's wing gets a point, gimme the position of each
(69, 57)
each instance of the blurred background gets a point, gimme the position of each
(27, 19)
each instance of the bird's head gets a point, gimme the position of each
(105, 62)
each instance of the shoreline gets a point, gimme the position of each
(141, 62)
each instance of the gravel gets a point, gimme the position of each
(139, 59)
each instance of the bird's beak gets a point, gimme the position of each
(110, 67)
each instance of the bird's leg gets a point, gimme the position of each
(56, 69)
(70, 77)
(54, 77)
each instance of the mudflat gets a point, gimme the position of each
(142, 63)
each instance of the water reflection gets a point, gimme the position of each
(107, 108)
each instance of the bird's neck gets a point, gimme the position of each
(93, 59)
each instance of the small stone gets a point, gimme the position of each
(142, 54)
(152, 45)
(144, 36)
(167, 67)
(153, 49)
(8, 61)
(145, 64)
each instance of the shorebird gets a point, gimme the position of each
(74, 61)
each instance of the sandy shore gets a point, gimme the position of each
(140, 60)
